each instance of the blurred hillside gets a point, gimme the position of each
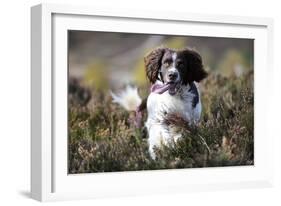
(108, 60)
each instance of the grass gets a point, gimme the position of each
(102, 137)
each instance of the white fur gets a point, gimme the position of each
(173, 67)
(158, 105)
(174, 57)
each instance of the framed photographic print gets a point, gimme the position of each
(135, 102)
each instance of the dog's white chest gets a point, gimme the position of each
(159, 105)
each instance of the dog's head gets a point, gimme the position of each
(174, 67)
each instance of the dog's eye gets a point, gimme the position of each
(180, 65)
(166, 64)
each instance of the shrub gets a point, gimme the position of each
(102, 137)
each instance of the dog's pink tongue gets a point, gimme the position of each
(160, 89)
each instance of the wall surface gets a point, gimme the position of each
(15, 102)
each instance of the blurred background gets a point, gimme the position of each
(106, 60)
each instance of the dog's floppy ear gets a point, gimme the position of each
(152, 63)
(195, 68)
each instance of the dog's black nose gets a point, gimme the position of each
(173, 76)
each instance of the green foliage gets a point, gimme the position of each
(96, 75)
(103, 138)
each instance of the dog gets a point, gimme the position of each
(173, 75)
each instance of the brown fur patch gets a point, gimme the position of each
(195, 69)
(152, 63)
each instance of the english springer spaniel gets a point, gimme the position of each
(173, 74)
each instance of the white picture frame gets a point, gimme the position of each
(49, 178)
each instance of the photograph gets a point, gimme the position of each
(139, 102)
